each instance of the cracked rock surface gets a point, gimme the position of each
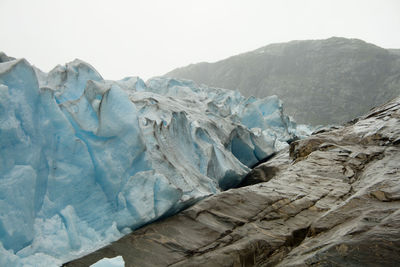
(329, 200)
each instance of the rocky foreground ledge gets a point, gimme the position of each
(329, 200)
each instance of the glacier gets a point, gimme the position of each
(86, 160)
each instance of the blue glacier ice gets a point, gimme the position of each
(84, 161)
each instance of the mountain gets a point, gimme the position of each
(329, 200)
(85, 160)
(320, 81)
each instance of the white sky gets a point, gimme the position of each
(151, 37)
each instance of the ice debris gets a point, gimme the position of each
(85, 160)
(113, 262)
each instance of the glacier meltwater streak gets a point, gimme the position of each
(84, 161)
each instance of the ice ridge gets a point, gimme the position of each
(85, 160)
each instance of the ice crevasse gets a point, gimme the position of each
(84, 161)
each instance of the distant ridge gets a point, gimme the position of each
(320, 81)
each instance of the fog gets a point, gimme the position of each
(149, 38)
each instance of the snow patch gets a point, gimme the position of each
(113, 262)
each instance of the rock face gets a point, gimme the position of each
(320, 81)
(329, 200)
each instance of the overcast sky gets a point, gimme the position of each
(151, 37)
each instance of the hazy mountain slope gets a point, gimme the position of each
(395, 51)
(320, 81)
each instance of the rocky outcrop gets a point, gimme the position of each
(320, 81)
(330, 200)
